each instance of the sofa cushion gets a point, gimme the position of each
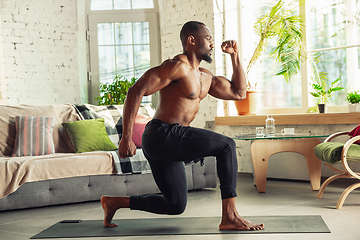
(138, 128)
(60, 112)
(89, 135)
(33, 136)
(113, 119)
(330, 152)
(111, 114)
(15, 171)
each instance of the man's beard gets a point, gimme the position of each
(207, 58)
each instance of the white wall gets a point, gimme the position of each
(3, 91)
(40, 58)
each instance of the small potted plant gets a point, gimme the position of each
(353, 99)
(115, 93)
(322, 93)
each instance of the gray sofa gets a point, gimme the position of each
(60, 177)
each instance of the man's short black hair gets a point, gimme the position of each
(188, 29)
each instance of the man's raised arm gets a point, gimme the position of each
(235, 89)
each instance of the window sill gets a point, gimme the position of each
(292, 119)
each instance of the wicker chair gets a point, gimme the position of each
(331, 152)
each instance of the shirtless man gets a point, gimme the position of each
(168, 140)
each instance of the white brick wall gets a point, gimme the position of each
(40, 61)
(3, 91)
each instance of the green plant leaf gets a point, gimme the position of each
(322, 92)
(353, 97)
(282, 23)
(115, 93)
(313, 109)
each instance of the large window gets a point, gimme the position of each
(332, 32)
(276, 92)
(124, 39)
(124, 48)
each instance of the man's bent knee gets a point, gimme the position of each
(231, 143)
(176, 209)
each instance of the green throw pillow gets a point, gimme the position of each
(89, 135)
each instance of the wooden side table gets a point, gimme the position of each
(263, 148)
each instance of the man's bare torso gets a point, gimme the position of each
(179, 101)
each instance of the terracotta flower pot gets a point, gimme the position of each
(249, 105)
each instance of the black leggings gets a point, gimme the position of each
(167, 147)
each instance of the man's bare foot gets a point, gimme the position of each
(239, 223)
(231, 220)
(110, 205)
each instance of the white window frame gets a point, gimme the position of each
(305, 74)
(106, 16)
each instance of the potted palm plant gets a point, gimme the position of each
(282, 23)
(322, 92)
(353, 98)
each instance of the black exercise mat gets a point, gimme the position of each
(182, 226)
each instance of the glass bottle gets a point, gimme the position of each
(270, 126)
